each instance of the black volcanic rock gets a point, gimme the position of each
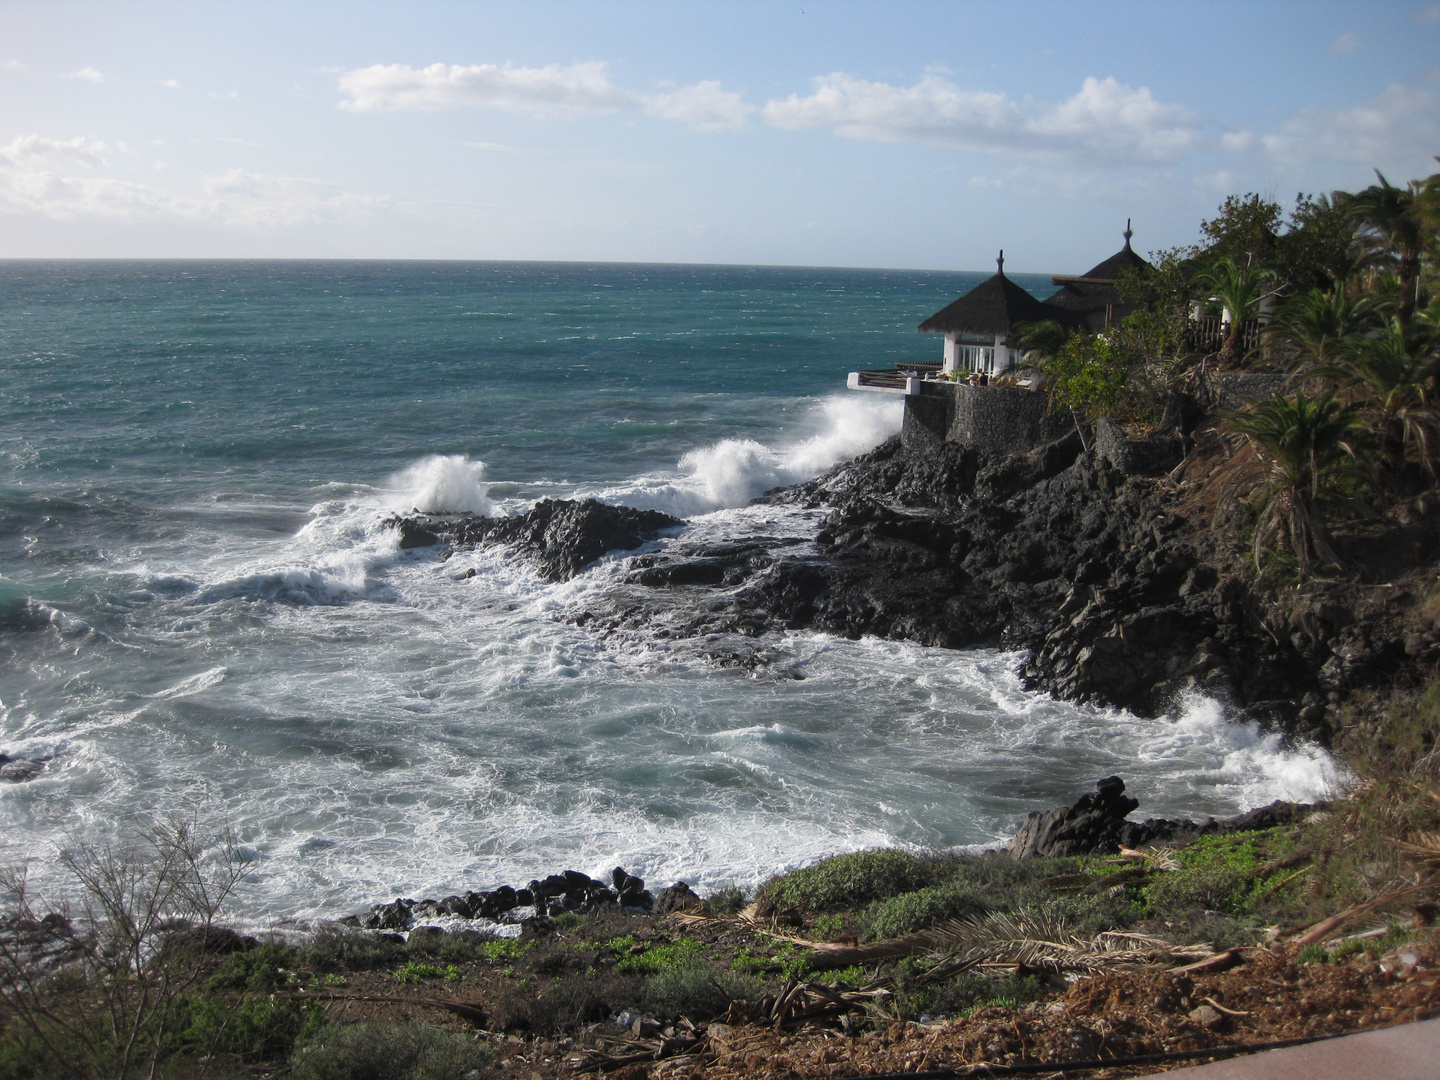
(559, 536)
(1096, 825)
(1093, 824)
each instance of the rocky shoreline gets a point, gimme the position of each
(1107, 570)
(1096, 824)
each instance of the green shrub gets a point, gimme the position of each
(257, 969)
(694, 990)
(564, 1004)
(350, 950)
(390, 1052)
(912, 912)
(255, 1028)
(727, 901)
(1212, 886)
(846, 881)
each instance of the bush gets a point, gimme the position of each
(727, 901)
(257, 969)
(911, 912)
(1213, 887)
(390, 1052)
(568, 1002)
(253, 1029)
(849, 880)
(350, 950)
(695, 991)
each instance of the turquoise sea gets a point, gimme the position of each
(202, 612)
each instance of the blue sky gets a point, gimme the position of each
(902, 134)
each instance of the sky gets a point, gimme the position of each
(918, 134)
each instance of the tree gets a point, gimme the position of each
(1086, 374)
(1395, 372)
(1393, 231)
(1306, 445)
(1239, 290)
(1314, 325)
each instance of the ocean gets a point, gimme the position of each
(202, 611)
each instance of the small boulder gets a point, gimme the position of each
(677, 897)
(1094, 824)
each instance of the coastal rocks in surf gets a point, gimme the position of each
(18, 770)
(568, 891)
(559, 537)
(1096, 824)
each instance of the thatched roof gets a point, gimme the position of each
(992, 307)
(1108, 272)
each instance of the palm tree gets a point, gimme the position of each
(1395, 371)
(1314, 324)
(1306, 446)
(1393, 228)
(1239, 289)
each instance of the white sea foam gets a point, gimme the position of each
(731, 472)
(442, 483)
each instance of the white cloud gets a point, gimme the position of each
(35, 152)
(170, 84)
(1105, 121)
(89, 74)
(237, 142)
(38, 177)
(573, 88)
(1347, 42)
(554, 90)
(1382, 132)
(1430, 13)
(706, 106)
(14, 65)
(499, 148)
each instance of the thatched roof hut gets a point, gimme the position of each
(992, 307)
(1092, 301)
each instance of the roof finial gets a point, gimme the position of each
(1128, 234)
(1000, 262)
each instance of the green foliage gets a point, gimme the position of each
(1312, 954)
(727, 901)
(503, 949)
(255, 1028)
(914, 911)
(260, 969)
(965, 993)
(849, 881)
(349, 950)
(657, 958)
(416, 970)
(1087, 374)
(391, 1052)
(1309, 447)
(695, 990)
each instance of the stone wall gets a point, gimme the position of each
(990, 417)
(1226, 391)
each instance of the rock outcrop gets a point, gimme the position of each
(1096, 824)
(560, 537)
